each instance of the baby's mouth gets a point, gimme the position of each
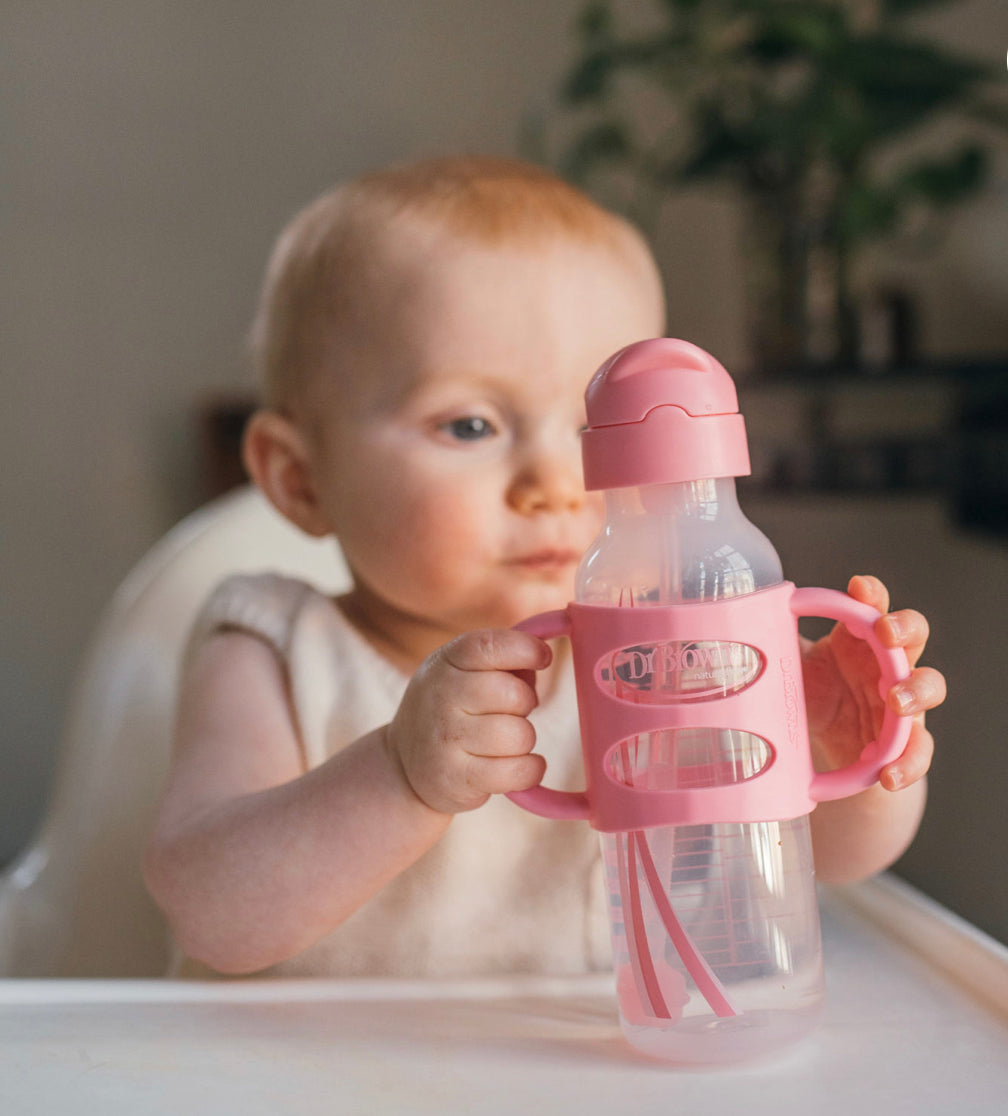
(546, 559)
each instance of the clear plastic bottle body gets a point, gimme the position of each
(743, 894)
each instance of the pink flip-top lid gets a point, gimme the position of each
(661, 411)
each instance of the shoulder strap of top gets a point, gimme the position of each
(263, 605)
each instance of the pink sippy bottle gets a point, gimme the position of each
(698, 771)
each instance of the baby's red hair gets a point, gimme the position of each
(325, 257)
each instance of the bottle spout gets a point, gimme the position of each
(659, 412)
(659, 372)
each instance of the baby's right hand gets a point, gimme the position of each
(461, 732)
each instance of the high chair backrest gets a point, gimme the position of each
(73, 903)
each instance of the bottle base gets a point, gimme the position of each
(706, 1041)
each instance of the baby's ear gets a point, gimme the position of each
(278, 460)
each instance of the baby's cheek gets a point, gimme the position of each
(438, 537)
(449, 547)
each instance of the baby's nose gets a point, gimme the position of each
(547, 482)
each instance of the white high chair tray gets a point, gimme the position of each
(916, 1022)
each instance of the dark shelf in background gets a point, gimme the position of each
(960, 451)
(957, 371)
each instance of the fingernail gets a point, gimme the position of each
(895, 627)
(894, 778)
(904, 698)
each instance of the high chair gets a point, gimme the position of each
(73, 903)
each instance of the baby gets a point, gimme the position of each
(335, 802)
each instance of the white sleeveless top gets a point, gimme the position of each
(502, 891)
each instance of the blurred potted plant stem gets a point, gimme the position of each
(792, 103)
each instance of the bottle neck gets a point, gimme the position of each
(667, 543)
(705, 499)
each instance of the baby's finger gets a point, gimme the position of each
(869, 590)
(924, 689)
(479, 693)
(497, 649)
(499, 734)
(907, 629)
(913, 764)
(505, 774)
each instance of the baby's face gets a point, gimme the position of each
(448, 455)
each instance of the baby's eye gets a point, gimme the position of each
(471, 428)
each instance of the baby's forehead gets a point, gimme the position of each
(423, 289)
(391, 285)
(425, 277)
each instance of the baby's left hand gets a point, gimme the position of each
(841, 690)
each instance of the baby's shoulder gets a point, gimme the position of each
(268, 605)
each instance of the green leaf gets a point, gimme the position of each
(595, 22)
(797, 30)
(941, 182)
(589, 80)
(899, 8)
(683, 5)
(868, 211)
(900, 84)
(985, 112)
(882, 65)
(608, 141)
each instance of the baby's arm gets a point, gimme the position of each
(253, 858)
(858, 836)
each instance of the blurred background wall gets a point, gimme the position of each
(150, 153)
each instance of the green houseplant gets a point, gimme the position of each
(792, 102)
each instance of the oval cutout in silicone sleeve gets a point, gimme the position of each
(688, 759)
(674, 672)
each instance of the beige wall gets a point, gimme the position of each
(152, 150)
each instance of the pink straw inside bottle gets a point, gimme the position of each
(632, 846)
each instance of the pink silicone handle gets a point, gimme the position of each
(860, 621)
(544, 801)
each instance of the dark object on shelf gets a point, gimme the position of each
(886, 464)
(981, 495)
(221, 425)
(888, 329)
